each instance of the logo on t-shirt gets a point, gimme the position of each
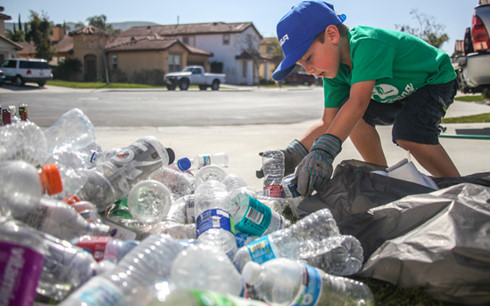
(382, 92)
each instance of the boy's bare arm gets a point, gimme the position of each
(352, 111)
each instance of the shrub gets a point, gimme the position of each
(67, 69)
(150, 77)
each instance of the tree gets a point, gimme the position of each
(40, 30)
(17, 35)
(100, 21)
(427, 29)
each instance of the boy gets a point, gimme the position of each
(371, 76)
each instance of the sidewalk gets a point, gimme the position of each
(243, 143)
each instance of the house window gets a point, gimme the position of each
(244, 69)
(114, 62)
(185, 40)
(174, 63)
(226, 39)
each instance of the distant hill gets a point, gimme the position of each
(123, 26)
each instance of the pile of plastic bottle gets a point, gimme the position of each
(140, 225)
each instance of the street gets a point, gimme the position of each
(159, 107)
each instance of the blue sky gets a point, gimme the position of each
(455, 15)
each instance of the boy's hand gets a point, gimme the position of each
(293, 155)
(316, 168)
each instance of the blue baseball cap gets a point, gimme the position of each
(297, 30)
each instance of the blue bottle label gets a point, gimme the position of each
(261, 250)
(312, 287)
(257, 218)
(214, 218)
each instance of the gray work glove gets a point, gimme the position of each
(315, 169)
(293, 155)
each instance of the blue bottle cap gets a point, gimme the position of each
(184, 163)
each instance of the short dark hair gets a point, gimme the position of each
(343, 30)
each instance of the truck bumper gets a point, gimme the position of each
(477, 70)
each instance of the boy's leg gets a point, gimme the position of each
(367, 142)
(432, 157)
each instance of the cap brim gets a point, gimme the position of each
(288, 63)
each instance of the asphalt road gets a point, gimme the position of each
(137, 108)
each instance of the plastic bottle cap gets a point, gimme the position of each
(171, 156)
(251, 272)
(184, 163)
(51, 177)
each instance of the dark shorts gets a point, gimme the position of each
(417, 117)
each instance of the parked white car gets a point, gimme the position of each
(194, 75)
(473, 68)
(22, 70)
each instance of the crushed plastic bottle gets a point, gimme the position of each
(194, 297)
(180, 183)
(218, 159)
(210, 172)
(288, 282)
(112, 180)
(273, 168)
(149, 201)
(23, 141)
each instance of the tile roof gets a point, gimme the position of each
(16, 45)
(188, 29)
(149, 43)
(65, 44)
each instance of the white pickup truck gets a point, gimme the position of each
(193, 75)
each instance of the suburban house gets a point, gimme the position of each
(236, 49)
(8, 48)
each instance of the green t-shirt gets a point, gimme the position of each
(400, 63)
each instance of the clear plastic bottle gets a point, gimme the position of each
(276, 204)
(182, 210)
(132, 281)
(273, 168)
(206, 268)
(218, 159)
(21, 264)
(233, 181)
(252, 216)
(210, 172)
(194, 297)
(182, 164)
(288, 242)
(214, 223)
(14, 116)
(58, 219)
(287, 282)
(149, 201)
(180, 183)
(22, 185)
(112, 180)
(23, 141)
(104, 247)
(338, 255)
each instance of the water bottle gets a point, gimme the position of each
(251, 216)
(194, 297)
(21, 263)
(104, 247)
(288, 282)
(182, 210)
(14, 117)
(338, 255)
(182, 164)
(210, 172)
(133, 280)
(206, 268)
(273, 168)
(276, 204)
(291, 194)
(88, 211)
(218, 159)
(180, 183)
(22, 185)
(149, 201)
(58, 219)
(287, 242)
(214, 224)
(66, 267)
(23, 141)
(112, 180)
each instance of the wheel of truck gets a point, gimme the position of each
(19, 81)
(41, 84)
(486, 93)
(215, 85)
(202, 87)
(184, 84)
(170, 87)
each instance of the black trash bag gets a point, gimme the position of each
(353, 190)
(439, 242)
